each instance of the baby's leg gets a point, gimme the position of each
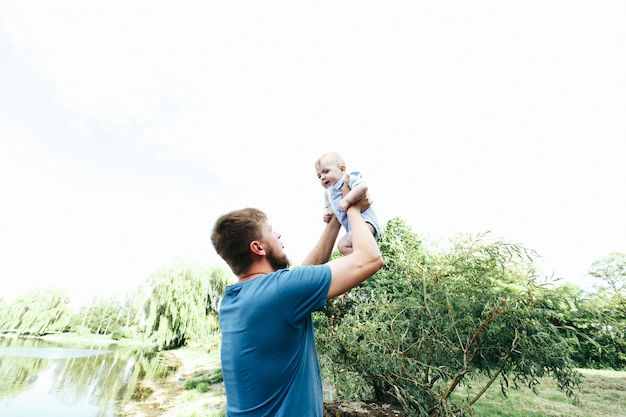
(345, 245)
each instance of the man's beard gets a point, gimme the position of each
(278, 262)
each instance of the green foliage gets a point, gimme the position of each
(6, 314)
(202, 387)
(612, 272)
(428, 323)
(598, 318)
(175, 305)
(82, 330)
(203, 380)
(181, 304)
(37, 312)
(124, 333)
(105, 316)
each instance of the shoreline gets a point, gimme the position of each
(168, 398)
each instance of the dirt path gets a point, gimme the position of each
(169, 399)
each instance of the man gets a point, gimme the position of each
(269, 361)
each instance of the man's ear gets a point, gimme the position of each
(257, 248)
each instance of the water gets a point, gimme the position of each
(39, 378)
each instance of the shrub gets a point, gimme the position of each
(427, 323)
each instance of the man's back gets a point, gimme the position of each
(269, 360)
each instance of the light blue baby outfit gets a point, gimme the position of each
(335, 194)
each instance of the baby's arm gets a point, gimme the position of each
(356, 193)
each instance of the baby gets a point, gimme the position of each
(331, 170)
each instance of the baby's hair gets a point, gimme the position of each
(332, 156)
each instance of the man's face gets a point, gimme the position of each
(275, 253)
(278, 261)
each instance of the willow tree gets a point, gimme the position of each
(181, 304)
(37, 312)
(5, 310)
(431, 322)
(104, 315)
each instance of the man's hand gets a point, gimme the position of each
(346, 185)
(363, 204)
(328, 215)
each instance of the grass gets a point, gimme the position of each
(203, 397)
(202, 381)
(602, 394)
(209, 414)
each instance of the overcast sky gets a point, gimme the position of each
(127, 127)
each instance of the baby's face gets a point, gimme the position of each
(329, 172)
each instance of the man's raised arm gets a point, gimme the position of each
(322, 250)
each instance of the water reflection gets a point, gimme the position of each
(39, 378)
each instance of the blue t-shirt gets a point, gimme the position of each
(269, 360)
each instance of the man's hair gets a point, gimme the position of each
(232, 235)
(332, 156)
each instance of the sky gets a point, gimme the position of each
(128, 127)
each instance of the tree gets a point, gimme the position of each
(612, 272)
(104, 315)
(181, 304)
(5, 315)
(599, 316)
(37, 312)
(429, 322)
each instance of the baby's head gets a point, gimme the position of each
(330, 168)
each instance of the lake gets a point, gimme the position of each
(40, 378)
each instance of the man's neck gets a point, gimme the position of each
(251, 275)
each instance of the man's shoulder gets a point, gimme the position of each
(308, 269)
(306, 275)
